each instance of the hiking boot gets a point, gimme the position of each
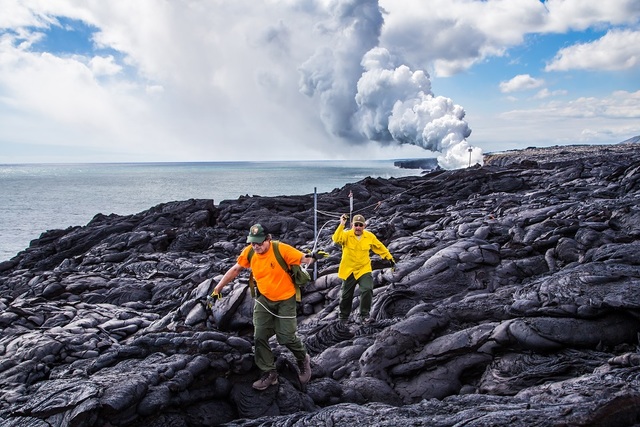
(305, 369)
(267, 379)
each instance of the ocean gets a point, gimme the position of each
(35, 198)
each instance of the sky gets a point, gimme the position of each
(233, 80)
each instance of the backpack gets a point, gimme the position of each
(299, 275)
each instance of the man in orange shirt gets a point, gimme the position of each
(274, 312)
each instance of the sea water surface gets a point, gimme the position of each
(35, 198)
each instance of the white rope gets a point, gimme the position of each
(315, 242)
(272, 313)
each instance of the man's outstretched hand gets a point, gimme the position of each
(211, 299)
(319, 255)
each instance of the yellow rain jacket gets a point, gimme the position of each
(355, 251)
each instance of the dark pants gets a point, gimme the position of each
(366, 295)
(266, 325)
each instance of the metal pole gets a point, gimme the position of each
(315, 226)
(470, 150)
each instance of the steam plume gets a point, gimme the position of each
(365, 95)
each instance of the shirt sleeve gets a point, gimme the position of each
(291, 255)
(379, 248)
(339, 235)
(243, 258)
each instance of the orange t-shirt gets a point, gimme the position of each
(272, 280)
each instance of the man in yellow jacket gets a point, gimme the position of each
(355, 265)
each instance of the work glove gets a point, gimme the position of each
(319, 254)
(211, 299)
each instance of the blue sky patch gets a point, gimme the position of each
(71, 37)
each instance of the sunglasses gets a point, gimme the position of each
(258, 244)
(358, 224)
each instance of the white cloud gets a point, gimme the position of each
(567, 15)
(210, 69)
(154, 89)
(16, 14)
(607, 119)
(618, 105)
(66, 104)
(268, 80)
(104, 66)
(452, 36)
(616, 50)
(520, 83)
(546, 93)
(39, 14)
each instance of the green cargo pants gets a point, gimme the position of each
(366, 295)
(275, 318)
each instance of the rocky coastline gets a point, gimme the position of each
(428, 164)
(515, 301)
